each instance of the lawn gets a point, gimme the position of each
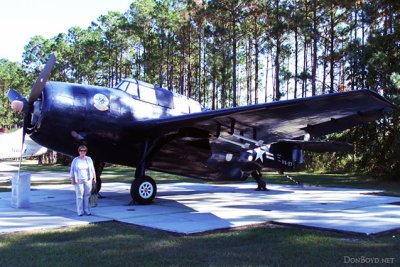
(118, 244)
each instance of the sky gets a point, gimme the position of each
(20, 20)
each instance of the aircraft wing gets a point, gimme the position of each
(184, 147)
(290, 119)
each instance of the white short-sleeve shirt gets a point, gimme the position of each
(83, 169)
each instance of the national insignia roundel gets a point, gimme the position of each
(101, 102)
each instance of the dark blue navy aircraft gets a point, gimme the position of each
(150, 128)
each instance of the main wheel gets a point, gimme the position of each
(143, 190)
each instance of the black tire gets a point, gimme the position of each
(143, 190)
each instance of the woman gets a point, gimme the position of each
(82, 176)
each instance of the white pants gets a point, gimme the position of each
(83, 192)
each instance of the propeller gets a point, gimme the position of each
(41, 80)
(20, 104)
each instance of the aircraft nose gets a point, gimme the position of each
(30, 105)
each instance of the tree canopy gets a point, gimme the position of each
(225, 53)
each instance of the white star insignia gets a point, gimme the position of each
(260, 152)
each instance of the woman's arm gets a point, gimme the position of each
(92, 171)
(72, 173)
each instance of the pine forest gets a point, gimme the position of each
(227, 53)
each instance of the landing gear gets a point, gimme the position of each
(261, 184)
(143, 190)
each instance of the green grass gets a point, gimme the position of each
(116, 244)
(125, 174)
(349, 180)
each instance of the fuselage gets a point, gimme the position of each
(101, 116)
(114, 124)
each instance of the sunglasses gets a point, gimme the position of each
(82, 150)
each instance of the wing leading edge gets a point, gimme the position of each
(290, 119)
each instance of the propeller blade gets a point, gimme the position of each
(41, 80)
(14, 95)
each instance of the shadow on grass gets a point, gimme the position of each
(116, 244)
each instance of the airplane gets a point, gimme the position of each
(150, 128)
(10, 146)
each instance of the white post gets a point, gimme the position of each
(21, 190)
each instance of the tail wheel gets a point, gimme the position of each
(143, 190)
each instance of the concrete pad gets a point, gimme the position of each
(187, 208)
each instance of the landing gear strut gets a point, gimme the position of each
(261, 184)
(143, 188)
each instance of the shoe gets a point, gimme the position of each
(89, 214)
(80, 214)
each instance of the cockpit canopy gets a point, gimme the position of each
(159, 96)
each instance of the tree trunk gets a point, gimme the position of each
(234, 59)
(296, 61)
(305, 71)
(266, 80)
(332, 55)
(277, 55)
(325, 65)
(256, 67)
(315, 54)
